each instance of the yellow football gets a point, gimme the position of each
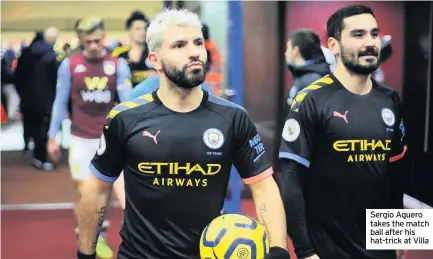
(233, 236)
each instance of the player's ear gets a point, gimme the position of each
(295, 52)
(334, 46)
(155, 61)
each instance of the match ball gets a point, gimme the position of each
(233, 236)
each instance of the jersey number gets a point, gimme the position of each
(96, 83)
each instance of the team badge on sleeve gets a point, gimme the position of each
(291, 130)
(109, 68)
(102, 145)
(388, 117)
(213, 138)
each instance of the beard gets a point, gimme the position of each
(182, 78)
(351, 61)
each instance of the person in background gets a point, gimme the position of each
(35, 81)
(21, 75)
(7, 79)
(214, 78)
(305, 60)
(136, 52)
(94, 81)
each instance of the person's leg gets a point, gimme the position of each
(34, 124)
(26, 130)
(81, 152)
(41, 125)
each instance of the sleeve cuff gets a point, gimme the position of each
(102, 176)
(399, 156)
(266, 173)
(295, 157)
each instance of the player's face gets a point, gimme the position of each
(183, 56)
(137, 32)
(289, 53)
(360, 44)
(94, 43)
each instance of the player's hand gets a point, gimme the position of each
(277, 253)
(54, 150)
(401, 254)
(313, 257)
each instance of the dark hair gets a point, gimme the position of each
(307, 41)
(335, 23)
(205, 30)
(91, 24)
(39, 35)
(135, 16)
(77, 23)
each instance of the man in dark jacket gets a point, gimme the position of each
(305, 60)
(35, 81)
(6, 79)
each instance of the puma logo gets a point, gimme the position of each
(344, 117)
(148, 134)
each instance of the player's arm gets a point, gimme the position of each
(398, 152)
(149, 85)
(255, 170)
(124, 85)
(60, 106)
(297, 143)
(106, 167)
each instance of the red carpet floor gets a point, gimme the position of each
(49, 234)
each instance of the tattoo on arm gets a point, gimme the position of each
(262, 211)
(101, 215)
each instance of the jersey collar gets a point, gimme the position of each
(203, 103)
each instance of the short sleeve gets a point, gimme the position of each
(109, 160)
(250, 158)
(298, 135)
(398, 143)
(124, 85)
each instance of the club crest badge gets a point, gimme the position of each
(213, 138)
(102, 145)
(109, 68)
(388, 117)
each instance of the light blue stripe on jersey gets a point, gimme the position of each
(101, 176)
(294, 157)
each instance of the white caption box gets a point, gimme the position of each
(405, 229)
